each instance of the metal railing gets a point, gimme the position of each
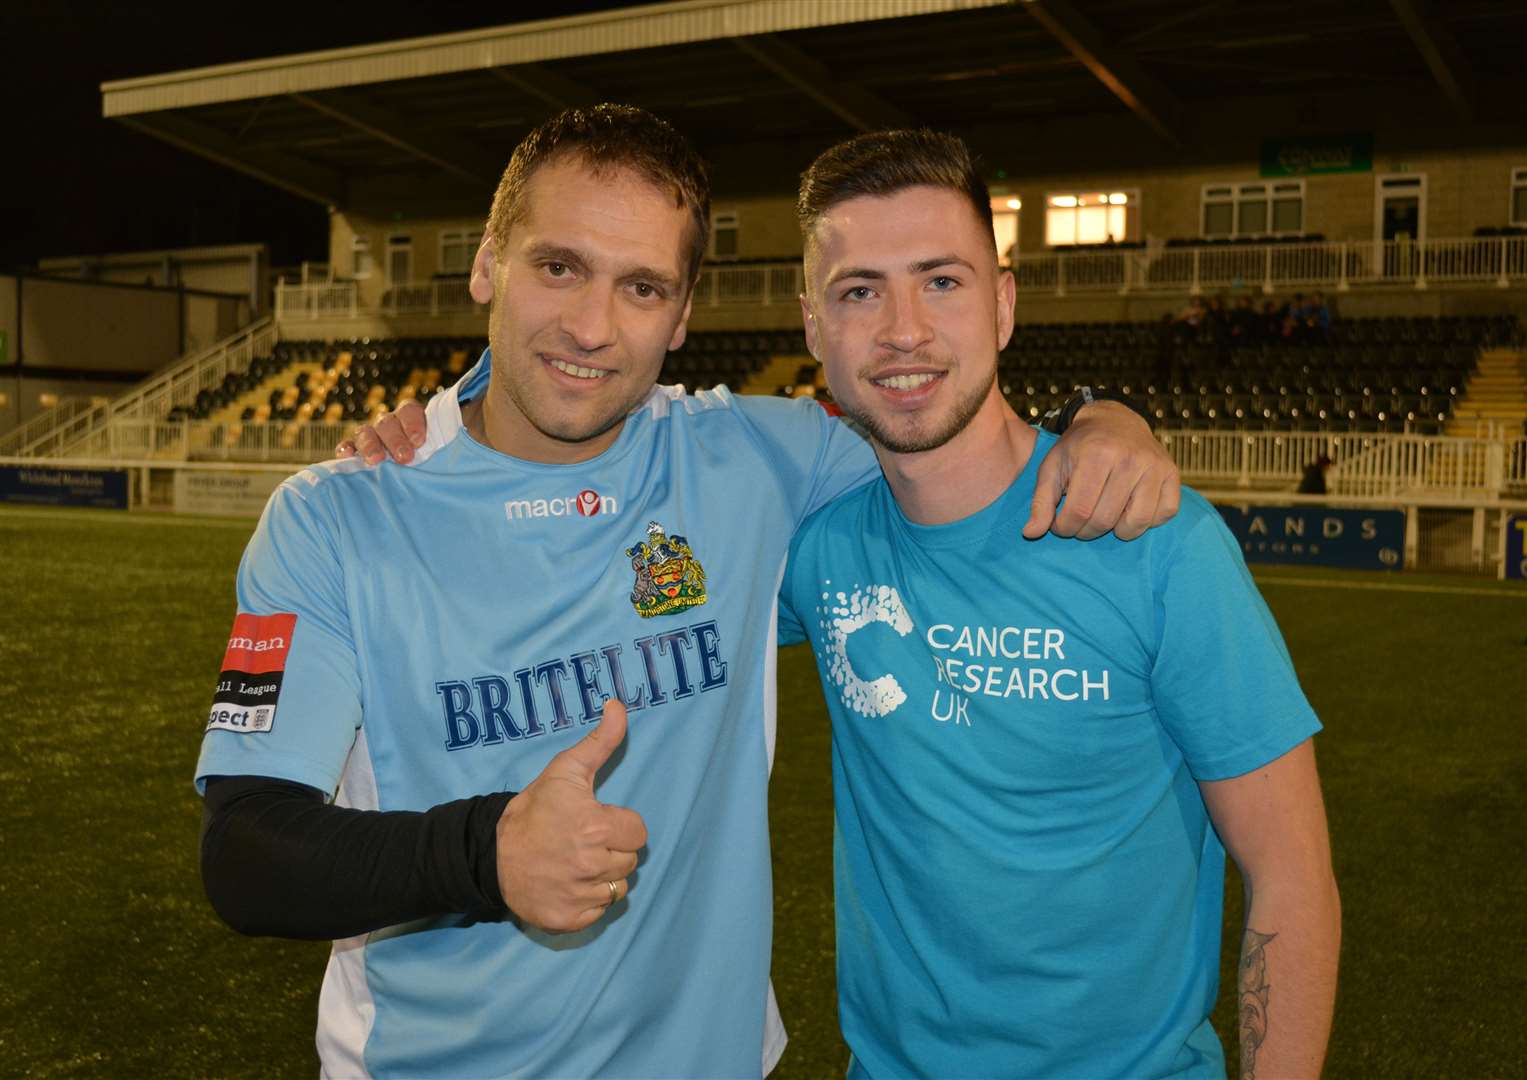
(70, 412)
(1366, 465)
(58, 433)
(749, 285)
(212, 440)
(1499, 261)
(1363, 464)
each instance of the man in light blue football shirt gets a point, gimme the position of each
(1037, 751)
(414, 638)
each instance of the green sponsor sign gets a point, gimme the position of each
(1317, 155)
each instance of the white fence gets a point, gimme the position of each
(749, 285)
(210, 440)
(73, 424)
(1499, 261)
(1367, 466)
(1362, 465)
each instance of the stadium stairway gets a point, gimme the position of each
(1495, 394)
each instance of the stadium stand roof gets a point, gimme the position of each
(445, 109)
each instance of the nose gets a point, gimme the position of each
(589, 318)
(907, 327)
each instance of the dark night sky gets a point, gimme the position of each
(73, 183)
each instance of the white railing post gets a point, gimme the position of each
(1193, 287)
(766, 290)
(1420, 250)
(1267, 285)
(1060, 275)
(1126, 259)
(1342, 285)
(1502, 280)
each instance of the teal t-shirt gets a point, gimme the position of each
(1028, 883)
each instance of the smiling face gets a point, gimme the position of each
(589, 291)
(906, 308)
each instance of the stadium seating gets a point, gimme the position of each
(1371, 374)
(1376, 374)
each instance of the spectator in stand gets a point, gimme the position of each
(1245, 326)
(1317, 320)
(1272, 321)
(1314, 480)
(1217, 320)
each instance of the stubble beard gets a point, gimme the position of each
(528, 402)
(916, 440)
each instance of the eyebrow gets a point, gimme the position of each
(921, 266)
(661, 278)
(558, 253)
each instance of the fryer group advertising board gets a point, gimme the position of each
(1317, 536)
(236, 494)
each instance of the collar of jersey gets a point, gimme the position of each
(1007, 511)
(445, 414)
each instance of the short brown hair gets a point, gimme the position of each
(609, 137)
(883, 163)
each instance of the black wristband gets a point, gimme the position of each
(1056, 421)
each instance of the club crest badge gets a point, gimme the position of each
(668, 576)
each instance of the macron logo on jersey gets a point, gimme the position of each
(587, 503)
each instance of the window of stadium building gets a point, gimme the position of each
(1091, 217)
(1259, 209)
(1004, 224)
(1519, 197)
(360, 257)
(457, 250)
(723, 234)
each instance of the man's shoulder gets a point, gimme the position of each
(843, 517)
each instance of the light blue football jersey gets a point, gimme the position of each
(1027, 881)
(457, 623)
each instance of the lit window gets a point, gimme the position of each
(1519, 197)
(1256, 209)
(1004, 224)
(723, 234)
(360, 257)
(1091, 217)
(458, 247)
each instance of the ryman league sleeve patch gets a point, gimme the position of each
(250, 682)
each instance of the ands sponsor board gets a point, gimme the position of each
(54, 486)
(234, 494)
(1317, 536)
(1516, 547)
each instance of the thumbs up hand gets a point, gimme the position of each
(563, 856)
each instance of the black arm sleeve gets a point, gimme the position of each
(1056, 421)
(277, 860)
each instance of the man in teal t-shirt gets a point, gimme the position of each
(1038, 750)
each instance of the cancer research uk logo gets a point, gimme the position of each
(587, 503)
(969, 662)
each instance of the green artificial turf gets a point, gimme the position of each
(112, 964)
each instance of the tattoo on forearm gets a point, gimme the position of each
(1254, 990)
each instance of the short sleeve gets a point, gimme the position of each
(287, 702)
(1223, 681)
(816, 456)
(791, 630)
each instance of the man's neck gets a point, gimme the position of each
(495, 422)
(965, 475)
